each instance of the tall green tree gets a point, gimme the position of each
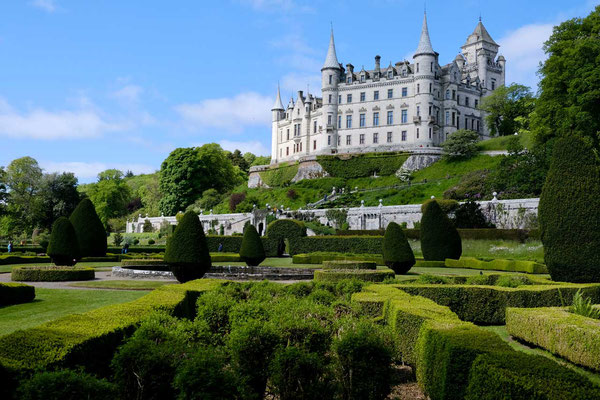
(238, 160)
(461, 145)
(110, 195)
(508, 109)
(58, 197)
(23, 178)
(90, 232)
(569, 99)
(3, 191)
(188, 172)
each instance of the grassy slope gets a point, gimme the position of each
(501, 142)
(50, 304)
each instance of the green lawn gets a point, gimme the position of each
(50, 304)
(531, 250)
(501, 331)
(501, 142)
(124, 284)
(99, 266)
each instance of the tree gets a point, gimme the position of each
(3, 192)
(461, 145)
(569, 212)
(187, 172)
(210, 198)
(508, 109)
(439, 237)
(90, 231)
(569, 99)
(110, 195)
(58, 197)
(23, 178)
(238, 160)
(470, 216)
(252, 251)
(261, 160)
(63, 248)
(148, 226)
(187, 251)
(397, 253)
(338, 217)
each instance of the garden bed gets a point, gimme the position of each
(367, 275)
(52, 274)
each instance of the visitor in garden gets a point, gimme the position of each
(125, 248)
(220, 249)
(10, 246)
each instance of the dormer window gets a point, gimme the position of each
(362, 78)
(390, 74)
(404, 73)
(349, 80)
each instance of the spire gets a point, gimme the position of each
(278, 104)
(425, 42)
(481, 34)
(331, 60)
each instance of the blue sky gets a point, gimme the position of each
(91, 85)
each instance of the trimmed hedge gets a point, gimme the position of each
(518, 376)
(89, 340)
(559, 331)
(367, 275)
(15, 293)
(52, 274)
(146, 264)
(362, 165)
(13, 259)
(252, 251)
(225, 257)
(448, 353)
(342, 244)
(319, 257)
(280, 175)
(486, 305)
(90, 231)
(397, 253)
(346, 264)
(439, 237)
(530, 267)
(569, 212)
(138, 249)
(278, 231)
(63, 248)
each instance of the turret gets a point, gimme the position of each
(481, 49)
(330, 78)
(277, 113)
(502, 64)
(425, 60)
(378, 66)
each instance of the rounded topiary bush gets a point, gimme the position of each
(569, 213)
(252, 251)
(187, 251)
(63, 248)
(285, 229)
(439, 237)
(90, 231)
(397, 253)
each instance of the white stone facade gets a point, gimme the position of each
(404, 106)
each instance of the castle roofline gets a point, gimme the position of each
(425, 46)
(331, 61)
(278, 104)
(480, 34)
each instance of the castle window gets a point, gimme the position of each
(329, 119)
(447, 117)
(477, 125)
(300, 146)
(417, 133)
(349, 79)
(361, 138)
(404, 114)
(339, 140)
(330, 79)
(455, 77)
(390, 74)
(363, 96)
(349, 98)
(448, 94)
(458, 99)
(404, 92)
(418, 88)
(315, 126)
(362, 78)
(472, 124)
(288, 134)
(375, 119)
(329, 140)
(340, 99)
(429, 110)
(287, 151)
(390, 117)
(295, 130)
(362, 120)
(376, 95)
(390, 93)
(389, 137)
(330, 98)
(348, 121)
(454, 95)
(430, 88)
(375, 138)
(298, 112)
(418, 111)
(467, 101)
(348, 140)
(493, 84)
(453, 118)
(457, 123)
(430, 131)
(476, 103)
(404, 136)
(280, 153)
(417, 67)
(431, 66)
(339, 121)
(314, 144)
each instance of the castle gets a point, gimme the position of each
(395, 108)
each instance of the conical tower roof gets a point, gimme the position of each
(278, 104)
(331, 60)
(425, 46)
(480, 34)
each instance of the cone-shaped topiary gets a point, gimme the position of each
(187, 251)
(397, 253)
(439, 237)
(252, 251)
(63, 248)
(569, 213)
(90, 231)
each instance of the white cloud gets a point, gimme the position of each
(129, 94)
(523, 49)
(295, 81)
(232, 114)
(253, 146)
(46, 5)
(43, 124)
(87, 170)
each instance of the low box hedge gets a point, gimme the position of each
(347, 264)
(486, 305)
(367, 275)
(225, 257)
(89, 340)
(137, 249)
(341, 244)
(19, 259)
(571, 336)
(15, 293)
(429, 264)
(448, 354)
(320, 257)
(145, 264)
(530, 267)
(51, 274)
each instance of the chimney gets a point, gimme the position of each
(350, 68)
(300, 95)
(377, 63)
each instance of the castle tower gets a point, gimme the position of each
(425, 66)
(277, 115)
(481, 49)
(330, 78)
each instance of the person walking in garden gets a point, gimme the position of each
(125, 248)
(10, 246)
(220, 250)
